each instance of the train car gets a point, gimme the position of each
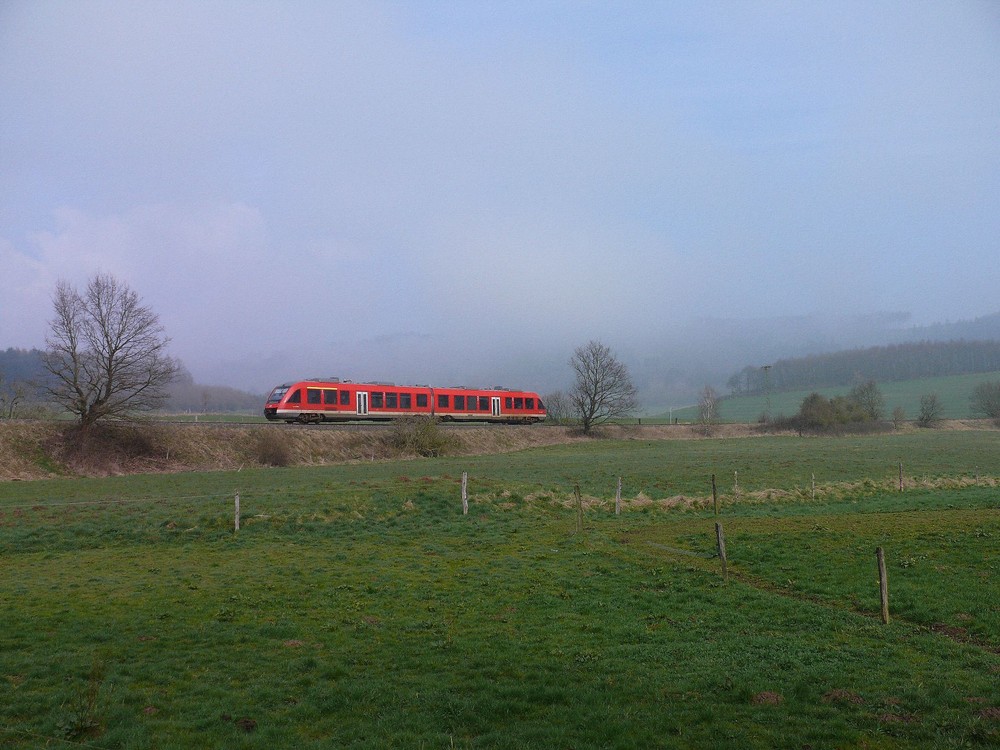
(335, 400)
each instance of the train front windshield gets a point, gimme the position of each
(277, 394)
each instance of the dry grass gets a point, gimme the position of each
(23, 448)
(35, 450)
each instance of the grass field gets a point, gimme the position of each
(953, 391)
(357, 607)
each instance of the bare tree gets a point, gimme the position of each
(106, 352)
(557, 406)
(868, 396)
(10, 396)
(603, 388)
(708, 406)
(985, 400)
(931, 409)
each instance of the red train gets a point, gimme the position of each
(333, 400)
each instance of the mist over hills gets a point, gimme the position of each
(669, 363)
(669, 368)
(711, 351)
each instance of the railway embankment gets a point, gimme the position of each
(44, 450)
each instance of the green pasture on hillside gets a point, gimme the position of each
(953, 391)
(358, 607)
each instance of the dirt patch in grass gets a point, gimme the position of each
(891, 718)
(842, 696)
(767, 698)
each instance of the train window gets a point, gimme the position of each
(442, 401)
(540, 404)
(508, 403)
(484, 403)
(330, 397)
(459, 403)
(529, 403)
(518, 403)
(296, 398)
(378, 399)
(276, 394)
(405, 400)
(314, 395)
(345, 398)
(421, 400)
(392, 400)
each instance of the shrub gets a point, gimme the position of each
(930, 410)
(272, 449)
(109, 447)
(835, 415)
(420, 436)
(985, 400)
(869, 399)
(820, 412)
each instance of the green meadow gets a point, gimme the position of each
(357, 607)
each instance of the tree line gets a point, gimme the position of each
(885, 364)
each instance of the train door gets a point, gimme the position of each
(362, 403)
(496, 406)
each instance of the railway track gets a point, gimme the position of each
(341, 426)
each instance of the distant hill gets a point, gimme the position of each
(188, 396)
(953, 392)
(884, 364)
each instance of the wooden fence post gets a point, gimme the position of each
(814, 487)
(237, 527)
(720, 540)
(579, 508)
(465, 493)
(883, 584)
(900, 476)
(715, 496)
(618, 498)
(736, 482)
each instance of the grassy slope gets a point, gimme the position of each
(953, 391)
(357, 607)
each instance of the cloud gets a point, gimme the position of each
(176, 259)
(470, 182)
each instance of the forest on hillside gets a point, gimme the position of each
(884, 364)
(20, 365)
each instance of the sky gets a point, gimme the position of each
(451, 190)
